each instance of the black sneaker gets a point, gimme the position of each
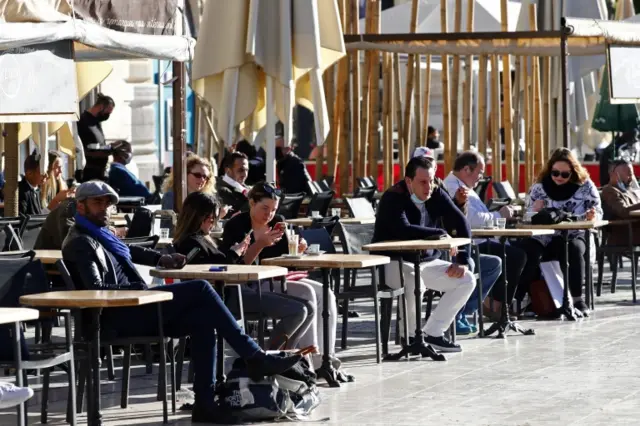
(442, 344)
(582, 307)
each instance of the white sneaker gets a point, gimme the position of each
(11, 395)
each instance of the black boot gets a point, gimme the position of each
(267, 365)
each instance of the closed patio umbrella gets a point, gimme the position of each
(253, 56)
(613, 118)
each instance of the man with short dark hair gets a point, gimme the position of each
(92, 136)
(410, 210)
(468, 169)
(120, 178)
(293, 176)
(620, 197)
(97, 260)
(231, 188)
(29, 201)
(433, 138)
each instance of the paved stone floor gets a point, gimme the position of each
(583, 373)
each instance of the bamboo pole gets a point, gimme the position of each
(366, 113)
(330, 92)
(455, 87)
(374, 99)
(537, 102)
(482, 106)
(495, 120)
(546, 107)
(344, 145)
(445, 95)
(426, 101)
(355, 97)
(387, 95)
(417, 102)
(397, 103)
(11, 169)
(524, 67)
(389, 179)
(408, 92)
(517, 123)
(338, 113)
(467, 112)
(507, 117)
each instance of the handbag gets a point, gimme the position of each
(551, 216)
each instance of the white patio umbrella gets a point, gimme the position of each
(256, 58)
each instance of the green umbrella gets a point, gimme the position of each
(613, 118)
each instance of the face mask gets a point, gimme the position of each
(126, 156)
(415, 199)
(622, 186)
(102, 117)
(279, 153)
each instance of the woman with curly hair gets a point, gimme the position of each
(563, 184)
(200, 177)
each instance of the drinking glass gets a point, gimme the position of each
(501, 223)
(293, 244)
(335, 212)
(164, 233)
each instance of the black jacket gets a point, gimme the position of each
(56, 226)
(91, 268)
(208, 253)
(398, 219)
(230, 196)
(237, 228)
(29, 202)
(293, 176)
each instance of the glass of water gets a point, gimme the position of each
(164, 233)
(501, 223)
(488, 223)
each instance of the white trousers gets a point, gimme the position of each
(433, 276)
(312, 291)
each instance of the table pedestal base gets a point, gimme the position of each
(418, 347)
(334, 377)
(503, 326)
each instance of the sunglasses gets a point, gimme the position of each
(199, 175)
(272, 190)
(558, 173)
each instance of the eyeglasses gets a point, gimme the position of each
(558, 173)
(271, 189)
(199, 175)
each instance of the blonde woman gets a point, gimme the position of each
(200, 178)
(54, 189)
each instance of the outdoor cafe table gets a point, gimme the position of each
(14, 316)
(327, 262)
(417, 247)
(47, 257)
(307, 221)
(94, 301)
(505, 324)
(564, 227)
(235, 274)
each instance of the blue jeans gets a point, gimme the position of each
(490, 270)
(197, 311)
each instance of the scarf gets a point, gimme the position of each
(110, 242)
(559, 192)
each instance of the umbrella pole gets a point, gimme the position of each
(179, 148)
(270, 134)
(11, 170)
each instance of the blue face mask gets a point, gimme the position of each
(622, 186)
(415, 199)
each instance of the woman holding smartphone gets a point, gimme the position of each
(267, 240)
(196, 221)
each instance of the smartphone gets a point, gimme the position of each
(280, 226)
(191, 255)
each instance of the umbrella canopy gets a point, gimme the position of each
(486, 17)
(613, 118)
(244, 45)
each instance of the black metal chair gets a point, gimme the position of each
(616, 253)
(290, 205)
(326, 223)
(352, 238)
(146, 242)
(504, 191)
(129, 204)
(366, 193)
(360, 207)
(30, 230)
(320, 202)
(17, 224)
(482, 187)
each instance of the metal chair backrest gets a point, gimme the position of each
(504, 190)
(290, 205)
(353, 237)
(145, 242)
(320, 202)
(482, 186)
(321, 237)
(367, 193)
(360, 207)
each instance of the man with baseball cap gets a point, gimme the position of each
(98, 260)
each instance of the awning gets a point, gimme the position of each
(95, 43)
(586, 37)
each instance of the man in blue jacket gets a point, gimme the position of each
(120, 178)
(409, 210)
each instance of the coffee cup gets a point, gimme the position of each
(314, 248)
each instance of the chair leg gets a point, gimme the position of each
(614, 272)
(44, 406)
(385, 323)
(172, 371)
(600, 273)
(126, 377)
(397, 331)
(345, 323)
(25, 381)
(427, 313)
(180, 361)
(71, 396)
(376, 307)
(148, 356)
(634, 270)
(83, 373)
(111, 374)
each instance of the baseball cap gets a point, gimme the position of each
(423, 151)
(96, 188)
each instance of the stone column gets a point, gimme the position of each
(143, 118)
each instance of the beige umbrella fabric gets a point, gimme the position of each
(242, 43)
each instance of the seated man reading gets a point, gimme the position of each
(97, 260)
(620, 197)
(409, 210)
